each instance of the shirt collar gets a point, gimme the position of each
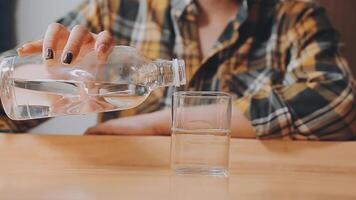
(179, 6)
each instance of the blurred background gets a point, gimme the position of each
(24, 20)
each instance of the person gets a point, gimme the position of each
(279, 58)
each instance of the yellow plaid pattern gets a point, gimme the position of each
(279, 58)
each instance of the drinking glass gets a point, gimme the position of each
(201, 133)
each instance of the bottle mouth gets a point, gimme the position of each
(179, 72)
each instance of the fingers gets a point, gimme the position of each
(62, 45)
(99, 130)
(55, 37)
(77, 38)
(103, 44)
(30, 48)
(88, 132)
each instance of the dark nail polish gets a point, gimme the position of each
(68, 58)
(49, 54)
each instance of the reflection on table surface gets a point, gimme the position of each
(62, 167)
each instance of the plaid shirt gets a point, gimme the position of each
(279, 58)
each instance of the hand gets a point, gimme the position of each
(64, 47)
(73, 44)
(156, 123)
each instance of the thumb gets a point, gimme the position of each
(30, 48)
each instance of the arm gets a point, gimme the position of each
(155, 123)
(159, 123)
(315, 100)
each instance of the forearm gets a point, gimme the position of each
(161, 121)
(241, 127)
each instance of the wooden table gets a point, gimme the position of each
(109, 167)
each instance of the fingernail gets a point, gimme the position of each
(68, 57)
(49, 54)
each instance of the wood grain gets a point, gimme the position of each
(94, 167)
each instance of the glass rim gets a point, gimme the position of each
(202, 94)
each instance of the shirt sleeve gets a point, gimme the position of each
(96, 16)
(315, 100)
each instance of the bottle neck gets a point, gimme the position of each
(171, 73)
